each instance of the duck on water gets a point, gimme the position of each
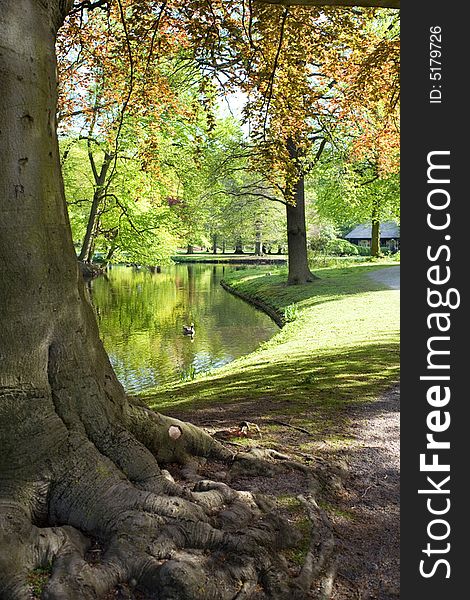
(188, 329)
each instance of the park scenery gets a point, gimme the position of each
(199, 292)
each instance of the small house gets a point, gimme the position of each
(361, 235)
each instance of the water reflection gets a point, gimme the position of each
(141, 317)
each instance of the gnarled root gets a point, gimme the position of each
(169, 539)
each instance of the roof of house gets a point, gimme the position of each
(388, 229)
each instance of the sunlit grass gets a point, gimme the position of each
(339, 347)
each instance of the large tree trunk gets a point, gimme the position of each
(239, 246)
(111, 250)
(375, 241)
(79, 460)
(298, 269)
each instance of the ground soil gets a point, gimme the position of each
(368, 530)
(361, 461)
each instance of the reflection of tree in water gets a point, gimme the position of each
(191, 288)
(142, 315)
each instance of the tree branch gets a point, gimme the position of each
(348, 3)
(273, 74)
(84, 111)
(89, 5)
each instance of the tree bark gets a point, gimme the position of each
(80, 460)
(375, 233)
(375, 241)
(239, 246)
(258, 239)
(111, 250)
(298, 269)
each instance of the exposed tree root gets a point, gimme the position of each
(321, 544)
(187, 540)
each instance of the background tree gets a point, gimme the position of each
(363, 182)
(132, 221)
(288, 109)
(115, 93)
(347, 194)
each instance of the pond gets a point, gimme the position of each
(141, 317)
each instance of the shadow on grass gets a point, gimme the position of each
(315, 395)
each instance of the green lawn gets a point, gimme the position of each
(339, 346)
(204, 257)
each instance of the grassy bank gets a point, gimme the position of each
(240, 259)
(339, 347)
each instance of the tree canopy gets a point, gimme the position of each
(310, 77)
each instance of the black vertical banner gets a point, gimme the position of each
(435, 250)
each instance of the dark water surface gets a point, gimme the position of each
(141, 317)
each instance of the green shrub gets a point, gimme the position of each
(340, 247)
(320, 239)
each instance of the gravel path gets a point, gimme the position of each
(389, 276)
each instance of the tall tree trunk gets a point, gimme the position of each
(375, 240)
(214, 243)
(189, 249)
(111, 250)
(258, 238)
(90, 229)
(239, 246)
(298, 269)
(79, 459)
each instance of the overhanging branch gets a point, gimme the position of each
(89, 5)
(350, 3)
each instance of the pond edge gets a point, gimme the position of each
(276, 315)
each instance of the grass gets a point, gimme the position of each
(37, 580)
(339, 347)
(204, 257)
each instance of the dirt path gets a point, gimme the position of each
(367, 515)
(390, 277)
